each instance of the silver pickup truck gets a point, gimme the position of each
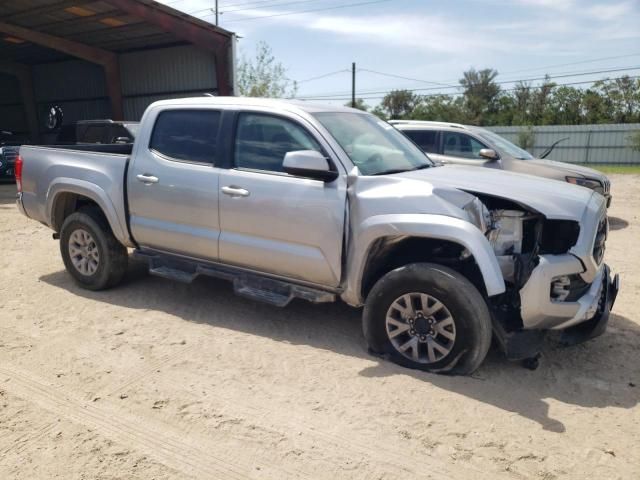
(291, 200)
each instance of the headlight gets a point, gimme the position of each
(478, 214)
(587, 182)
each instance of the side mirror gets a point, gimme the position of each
(308, 164)
(489, 154)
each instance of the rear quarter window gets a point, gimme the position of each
(186, 135)
(425, 139)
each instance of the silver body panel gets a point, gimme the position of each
(179, 212)
(48, 172)
(307, 231)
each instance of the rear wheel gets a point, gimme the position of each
(91, 253)
(428, 317)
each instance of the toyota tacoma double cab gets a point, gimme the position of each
(293, 200)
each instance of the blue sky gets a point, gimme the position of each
(432, 41)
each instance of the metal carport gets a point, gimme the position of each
(107, 58)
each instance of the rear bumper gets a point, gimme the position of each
(20, 205)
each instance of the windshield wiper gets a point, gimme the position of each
(402, 170)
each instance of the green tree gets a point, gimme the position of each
(480, 93)
(634, 141)
(440, 108)
(379, 112)
(399, 104)
(527, 138)
(566, 106)
(360, 105)
(263, 75)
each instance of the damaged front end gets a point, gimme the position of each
(554, 274)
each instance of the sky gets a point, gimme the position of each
(430, 43)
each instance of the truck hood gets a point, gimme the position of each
(548, 197)
(569, 169)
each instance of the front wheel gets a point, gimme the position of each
(428, 317)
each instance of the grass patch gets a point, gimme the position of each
(629, 169)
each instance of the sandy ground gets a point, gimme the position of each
(160, 380)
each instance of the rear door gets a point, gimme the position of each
(274, 222)
(173, 182)
(427, 140)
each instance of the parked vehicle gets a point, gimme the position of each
(287, 200)
(97, 132)
(475, 146)
(9, 147)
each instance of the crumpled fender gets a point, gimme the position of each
(418, 225)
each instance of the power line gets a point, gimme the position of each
(252, 7)
(404, 78)
(595, 72)
(323, 76)
(344, 98)
(308, 11)
(573, 63)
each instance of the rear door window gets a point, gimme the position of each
(187, 135)
(425, 139)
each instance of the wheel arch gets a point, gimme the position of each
(387, 242)
(67, 197)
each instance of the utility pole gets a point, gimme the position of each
(353, 85)
(216, 13)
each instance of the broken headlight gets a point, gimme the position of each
(478, 214)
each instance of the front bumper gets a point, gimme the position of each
(540, 312)
(527, 343)
(596, 325)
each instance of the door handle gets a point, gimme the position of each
(234, 191)
(147, 178)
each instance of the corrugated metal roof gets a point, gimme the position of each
(95, 23)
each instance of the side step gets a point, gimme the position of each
(173, 274)
(253, 286)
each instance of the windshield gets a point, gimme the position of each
(503, 145)
(374, 146)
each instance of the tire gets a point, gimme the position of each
(88, 235)
(445, 309)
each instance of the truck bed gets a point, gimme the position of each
(97, 172)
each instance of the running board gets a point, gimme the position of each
(245, 284)
(173, 274)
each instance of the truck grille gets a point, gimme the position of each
(600, 240)
(607, 186)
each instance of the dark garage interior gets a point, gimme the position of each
(102, 59)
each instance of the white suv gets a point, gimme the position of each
(475, 146)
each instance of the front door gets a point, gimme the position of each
(460, 148)
(273, 222)
(173, 184)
